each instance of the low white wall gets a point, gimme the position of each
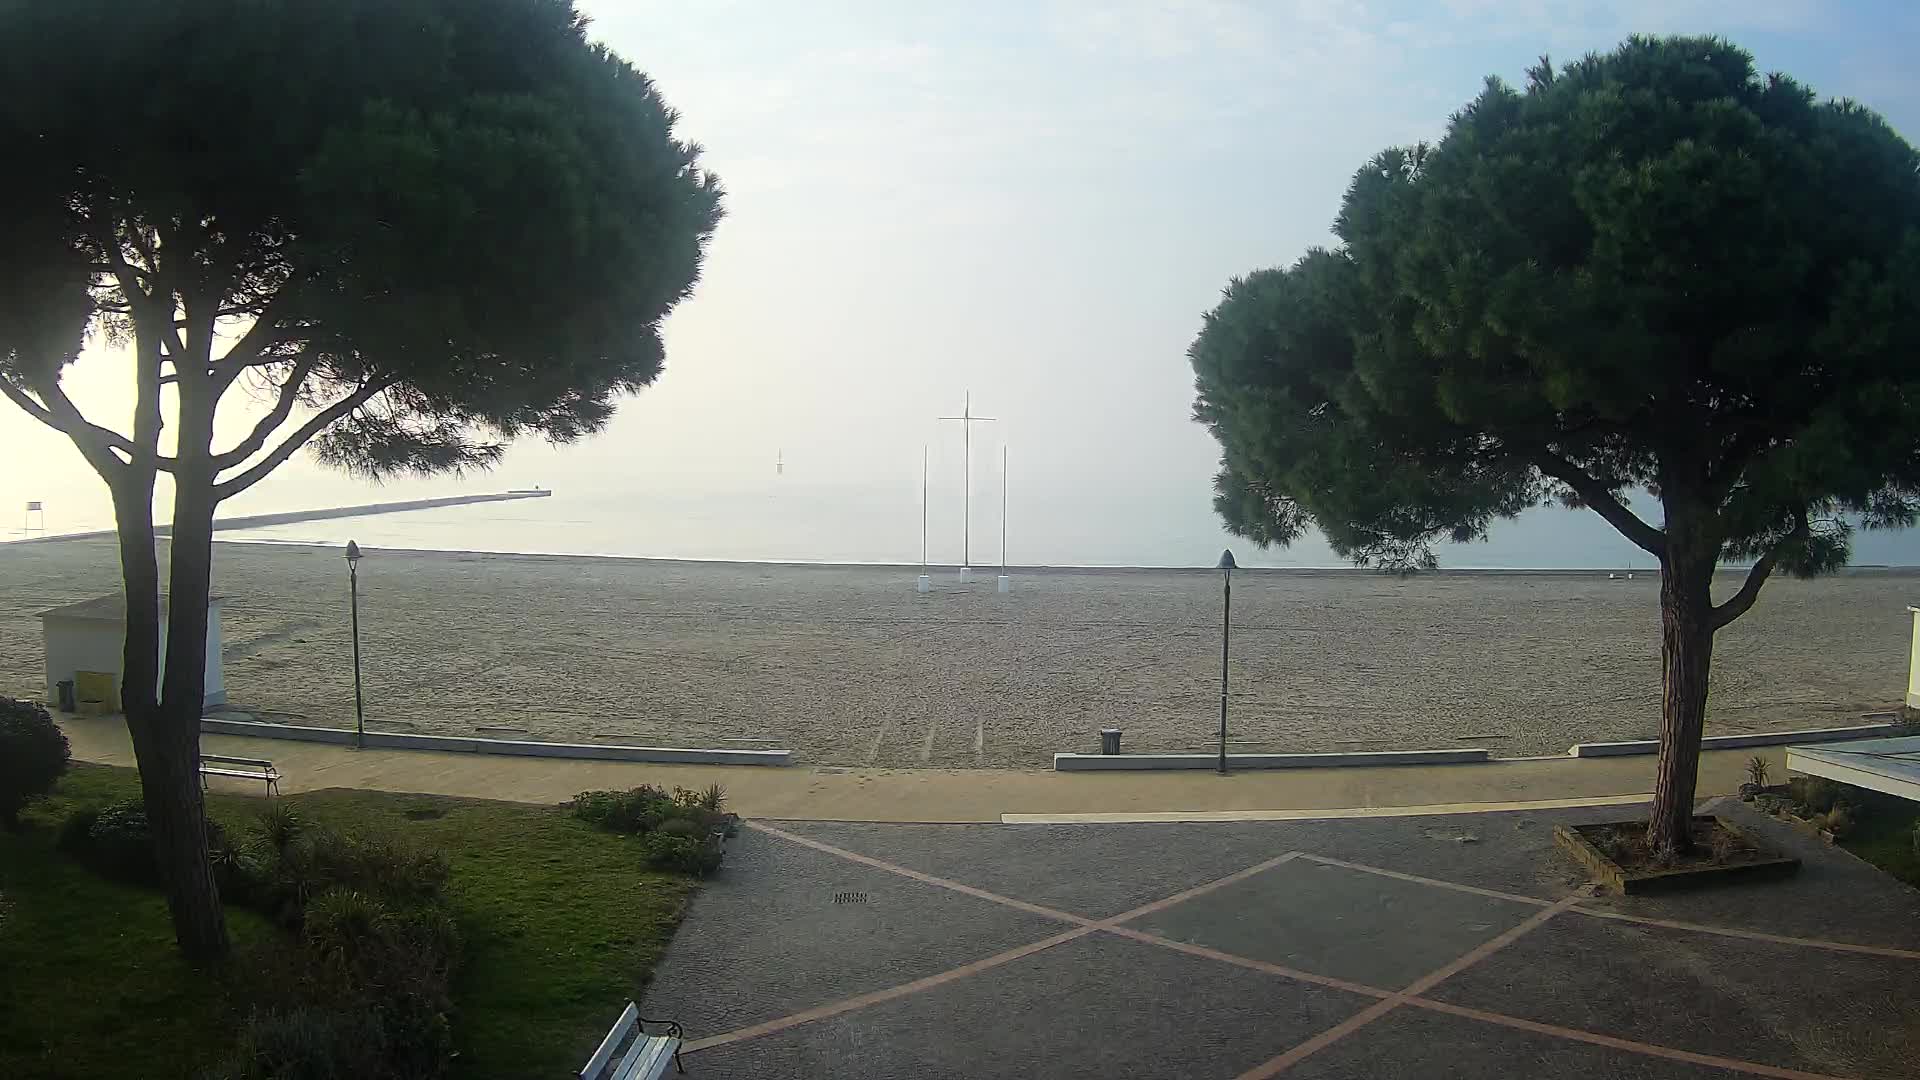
(1734, 742)
(513, 747)
(1122, 762)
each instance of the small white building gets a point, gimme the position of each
(1913, 662)
(91, 636)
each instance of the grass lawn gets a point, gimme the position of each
(561, 926)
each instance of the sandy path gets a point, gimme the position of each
(849, 666)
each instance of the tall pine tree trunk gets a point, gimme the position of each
(1686, 656)
(176, 810)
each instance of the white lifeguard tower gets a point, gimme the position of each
(90, 637)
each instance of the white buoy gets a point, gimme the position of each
(1006, 583)
(926, 584)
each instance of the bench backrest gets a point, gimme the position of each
(597, 1064)
(258, 762)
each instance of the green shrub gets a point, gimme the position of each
(1757, 770)
(120, 843)
(636, 810)
(681, 826)
(33, 755)
(74, 838)
(341, 923)
(322, 859)
(1815, 793)
(1838, 821)
(363, 1039)
(309, 1044)
(677, 830)
(685, 854)
(280, 825)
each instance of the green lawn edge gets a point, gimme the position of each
(562, 925)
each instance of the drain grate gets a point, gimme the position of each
(852, 898)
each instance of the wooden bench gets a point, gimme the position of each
(629, 1053)
(258, 769)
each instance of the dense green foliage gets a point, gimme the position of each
(374, 945)
(460, 203)
(1652, 269)
(33, 755)
(557, 925)
(684, 831)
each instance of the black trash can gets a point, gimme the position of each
(68, 702)
(1110, 740)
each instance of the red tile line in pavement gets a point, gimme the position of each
(1753, 935)
(1249, 963)
(1424, 983)
(877, 864)
(1085, 926)
(1407, 997)
(808, 1016)
(1418, 880)
(1597, 913)
(1648, 1049)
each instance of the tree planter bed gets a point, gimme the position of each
(1724, 854)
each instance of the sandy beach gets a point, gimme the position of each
(848, 666)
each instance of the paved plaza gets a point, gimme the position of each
(1449, 946)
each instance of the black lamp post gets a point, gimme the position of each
(353, 585)
(1225, 566)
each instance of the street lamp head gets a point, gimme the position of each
(1226, 561)
(353, 554)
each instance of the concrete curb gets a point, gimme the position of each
(1734, 742)
(519, 748)
(1121, 762)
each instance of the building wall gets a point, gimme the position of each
(1913, 664)
(74, 645)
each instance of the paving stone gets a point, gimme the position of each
(1333, 921)
(1780, 1005)
(1416, 1043)
(782, 928)
(1097, 1007)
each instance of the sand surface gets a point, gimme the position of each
(849, 666)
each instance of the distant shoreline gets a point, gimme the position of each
(1062, 568)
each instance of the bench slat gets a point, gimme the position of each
(262, 762)
(649, 1059)
(608, 1045)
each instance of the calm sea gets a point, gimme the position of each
(798, 522)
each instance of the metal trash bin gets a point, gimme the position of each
(68, 702)
(1110, 740)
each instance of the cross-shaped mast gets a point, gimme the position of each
(967, 420)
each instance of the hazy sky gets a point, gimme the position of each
(1034, 201)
